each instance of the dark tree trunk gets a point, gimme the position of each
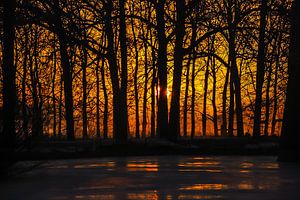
(98, 101)
(289, 146)
(67, 74)
(267, 112)
(67, 81)
(231, 108)
(214, 104)
(237, 86)
(24, 96)
(186, 95)
(124, 75)
(60, 106)
(193, 96)
(120, 118)
(162, 115)
(136, 92)
(53, 89)
(260, 70)
(84, 96)
(275, 106)
(153, 93)
(105, 114)
(224, 105)
(8, 138)
(144, 125)
(174, 124)
(37, 127)
(204, 113)
(234, 73)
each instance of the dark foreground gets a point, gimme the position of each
(157, 177)
(52, 149)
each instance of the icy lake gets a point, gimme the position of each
(159, 177)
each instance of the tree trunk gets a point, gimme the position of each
(37, 128)
(120, 120)
(67, 81)
(267, 112)
(145, 91)
(53, 89)
(204, 113)
(136, 92)
(185, 105)
(231, 108)
(8, 138)
(105, 114)
(124, 75)
(98, 101)
(67, 74)
(162, 115)
(260, 69)
(234, 73)
(289, 144)
(84, 96)
(224, 105)
(214, 104)
(174, 123)
(275, 107)
(60, 106)
(24, 96)
(193, 96)
(153, 93)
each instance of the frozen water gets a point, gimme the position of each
(159, 177)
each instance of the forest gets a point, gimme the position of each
(170, 69)
(149, 99)
(139, 68)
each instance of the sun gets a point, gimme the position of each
(157, 92)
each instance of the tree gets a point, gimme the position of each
(162, 115)
(289, 149)
(174, 123)
(260, 70)
(8, 137)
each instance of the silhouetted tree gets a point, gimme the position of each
(290, 149)
(8, 136)
(260, 69)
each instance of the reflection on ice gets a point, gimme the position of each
(142, 166)
(205, 187)
(153, 195)
(96, 197)
(165, 177)
(269, 166)
(199, 164)
(95, 165)
(190, 196)
(201, 170)
(247, 165)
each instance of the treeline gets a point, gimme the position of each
(140, 68)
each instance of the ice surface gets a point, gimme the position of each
(159, 177)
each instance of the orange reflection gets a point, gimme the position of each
(245, 186)
(269, 166)
(198, 164)
(186, 196)
(142, 166)
(146, 195)
(96, 196)
(94, 165)
(247, 165)
(245, 171)
(201, 170)
(205, 187)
